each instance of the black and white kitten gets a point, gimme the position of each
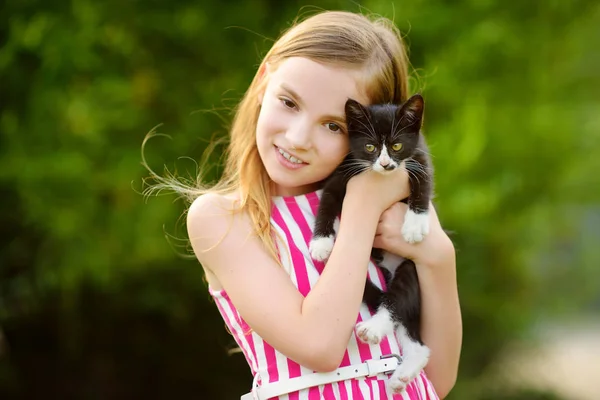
(385, 137)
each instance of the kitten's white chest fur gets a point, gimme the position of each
(391, 261)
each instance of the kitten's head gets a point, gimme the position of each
(384, 135)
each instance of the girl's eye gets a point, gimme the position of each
(397, 146)
(288, 103)
(333, 127)
(370, 148)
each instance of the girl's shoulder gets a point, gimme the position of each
(212, 219)
(209, 213)
(213, 201)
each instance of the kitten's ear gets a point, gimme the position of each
(412, 109)
(355, 110)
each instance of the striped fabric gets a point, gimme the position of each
(292, 219)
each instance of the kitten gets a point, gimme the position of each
(385, 137)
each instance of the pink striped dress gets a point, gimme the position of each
(293, 218)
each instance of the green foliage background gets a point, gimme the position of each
(96, 300)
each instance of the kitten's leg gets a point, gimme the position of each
(372, 296)
(330, 207)
(404, 288)
(377, 327)
(382, 323)
(416, 220)
(415, 356)
(404, 298)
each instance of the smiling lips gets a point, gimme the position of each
(288, 160)
(290, 157)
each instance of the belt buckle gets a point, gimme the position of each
(396, 356)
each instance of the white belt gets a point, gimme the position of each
(386, 363)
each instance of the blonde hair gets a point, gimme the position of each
(371, 45)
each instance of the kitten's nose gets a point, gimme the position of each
(384, 161)
(388, 167)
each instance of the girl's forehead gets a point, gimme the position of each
(317, 83)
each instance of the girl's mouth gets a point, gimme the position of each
(288, 160)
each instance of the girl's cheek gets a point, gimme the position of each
(267, 120)
(276, 121)
(339, 147)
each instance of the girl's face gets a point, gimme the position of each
(301, 131)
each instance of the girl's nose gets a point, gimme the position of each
(299, 135)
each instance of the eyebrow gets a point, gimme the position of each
(299, 100)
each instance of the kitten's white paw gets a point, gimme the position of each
(398, 382)
(412, 364)
(320, 247)
(416, 226)
(376, 328)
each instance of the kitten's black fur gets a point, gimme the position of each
(383, 126)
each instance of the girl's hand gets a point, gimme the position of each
(433, 250)
(378, 190)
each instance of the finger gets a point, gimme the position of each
(396, 214)
(433, 217)
(386, 213)
(432, 210)
(377, 243)
(401, 207)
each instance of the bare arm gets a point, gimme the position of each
(441, 323)
(264, 294)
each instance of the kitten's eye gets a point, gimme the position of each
(333, 127)
(397, 146)
(370, 148)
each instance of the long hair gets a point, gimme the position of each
(372, 46)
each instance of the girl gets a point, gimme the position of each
(294, 318)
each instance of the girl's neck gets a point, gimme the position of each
(279, 191)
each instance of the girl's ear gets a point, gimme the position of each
(264, 70)
(262, 74)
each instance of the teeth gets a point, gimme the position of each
(289, 157)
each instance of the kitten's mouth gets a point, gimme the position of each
(289, 156)
(384, 170)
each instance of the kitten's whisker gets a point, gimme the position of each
(355, 166)
(370, 131)
(354, 171)
(402, 119)
(416, 166)
(395, 127)
(373, 130)
(412, 161)
(418, 176)
(355, 162)
(406, 127)
(424, 152)
(418, 172)
(350, 172)
(411, 174)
